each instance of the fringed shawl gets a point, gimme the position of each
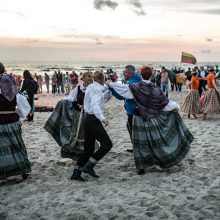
(149, 98)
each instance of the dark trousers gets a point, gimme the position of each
(54, 89)
(129, 125)
(179, 85)
(30, 116)
(172, 86)
(94, 130)
(202, 87)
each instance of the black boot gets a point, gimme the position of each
(77, 175)
(25, 176)
(141, 172)
(88, 168)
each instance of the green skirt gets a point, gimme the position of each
(13, 154)
(163, 140)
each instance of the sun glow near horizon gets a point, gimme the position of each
(53, 24)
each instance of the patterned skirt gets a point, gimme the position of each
(211, 102)
(163, 140)
(13, 154)
(192, 103)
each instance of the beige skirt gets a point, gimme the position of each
(211, 102)
(191, 103)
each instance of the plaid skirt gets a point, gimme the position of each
(62, 126)
(211, 102)
(192, 103)
(163, 140)
(13, 154)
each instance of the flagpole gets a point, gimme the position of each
(181, 61)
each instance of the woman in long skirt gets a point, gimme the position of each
(13, 155)
(191, 103)
(211, 101)
(160, 138)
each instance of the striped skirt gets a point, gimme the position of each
(211, 102)
(192, 103)
(163, 140)
(13, 154)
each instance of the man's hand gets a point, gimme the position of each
(108, 81)
(105, 122)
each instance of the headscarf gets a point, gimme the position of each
(8, 87)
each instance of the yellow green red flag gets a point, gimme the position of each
(188, 58)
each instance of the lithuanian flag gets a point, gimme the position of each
(188, 58)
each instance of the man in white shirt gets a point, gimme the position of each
(94, 122)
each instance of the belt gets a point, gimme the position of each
(6, 112)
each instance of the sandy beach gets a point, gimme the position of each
(189, 191)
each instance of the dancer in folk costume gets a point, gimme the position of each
(192, 104)
(13, 155)
(94, 122)
(65, 123)
(159, 136)
(211, 101)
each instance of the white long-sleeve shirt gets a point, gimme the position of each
(124, 91)
(72, 97)
(95, 97)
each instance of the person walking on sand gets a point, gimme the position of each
(159, 136)
(192, 104)
(94, 123)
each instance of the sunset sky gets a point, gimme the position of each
(96, 30)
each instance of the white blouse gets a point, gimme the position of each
(23, 107)
(124, 91)
(95, 98)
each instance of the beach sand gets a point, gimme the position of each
(190, 191)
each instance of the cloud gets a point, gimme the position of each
(209, 39)
(99, 4)
(3, 11)
(210, 11)
(205, 51)
(21, 14)
(136, 7)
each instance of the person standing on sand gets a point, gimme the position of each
(13, 155)
(28, 86)
(191, 104)
(211, 101)
(164, 80)
(131, 77)
(159, 136)
(47, 81)
(94, 123)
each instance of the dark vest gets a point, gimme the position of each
(79, 99)
(6, 105)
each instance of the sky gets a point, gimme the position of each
(104, 30)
